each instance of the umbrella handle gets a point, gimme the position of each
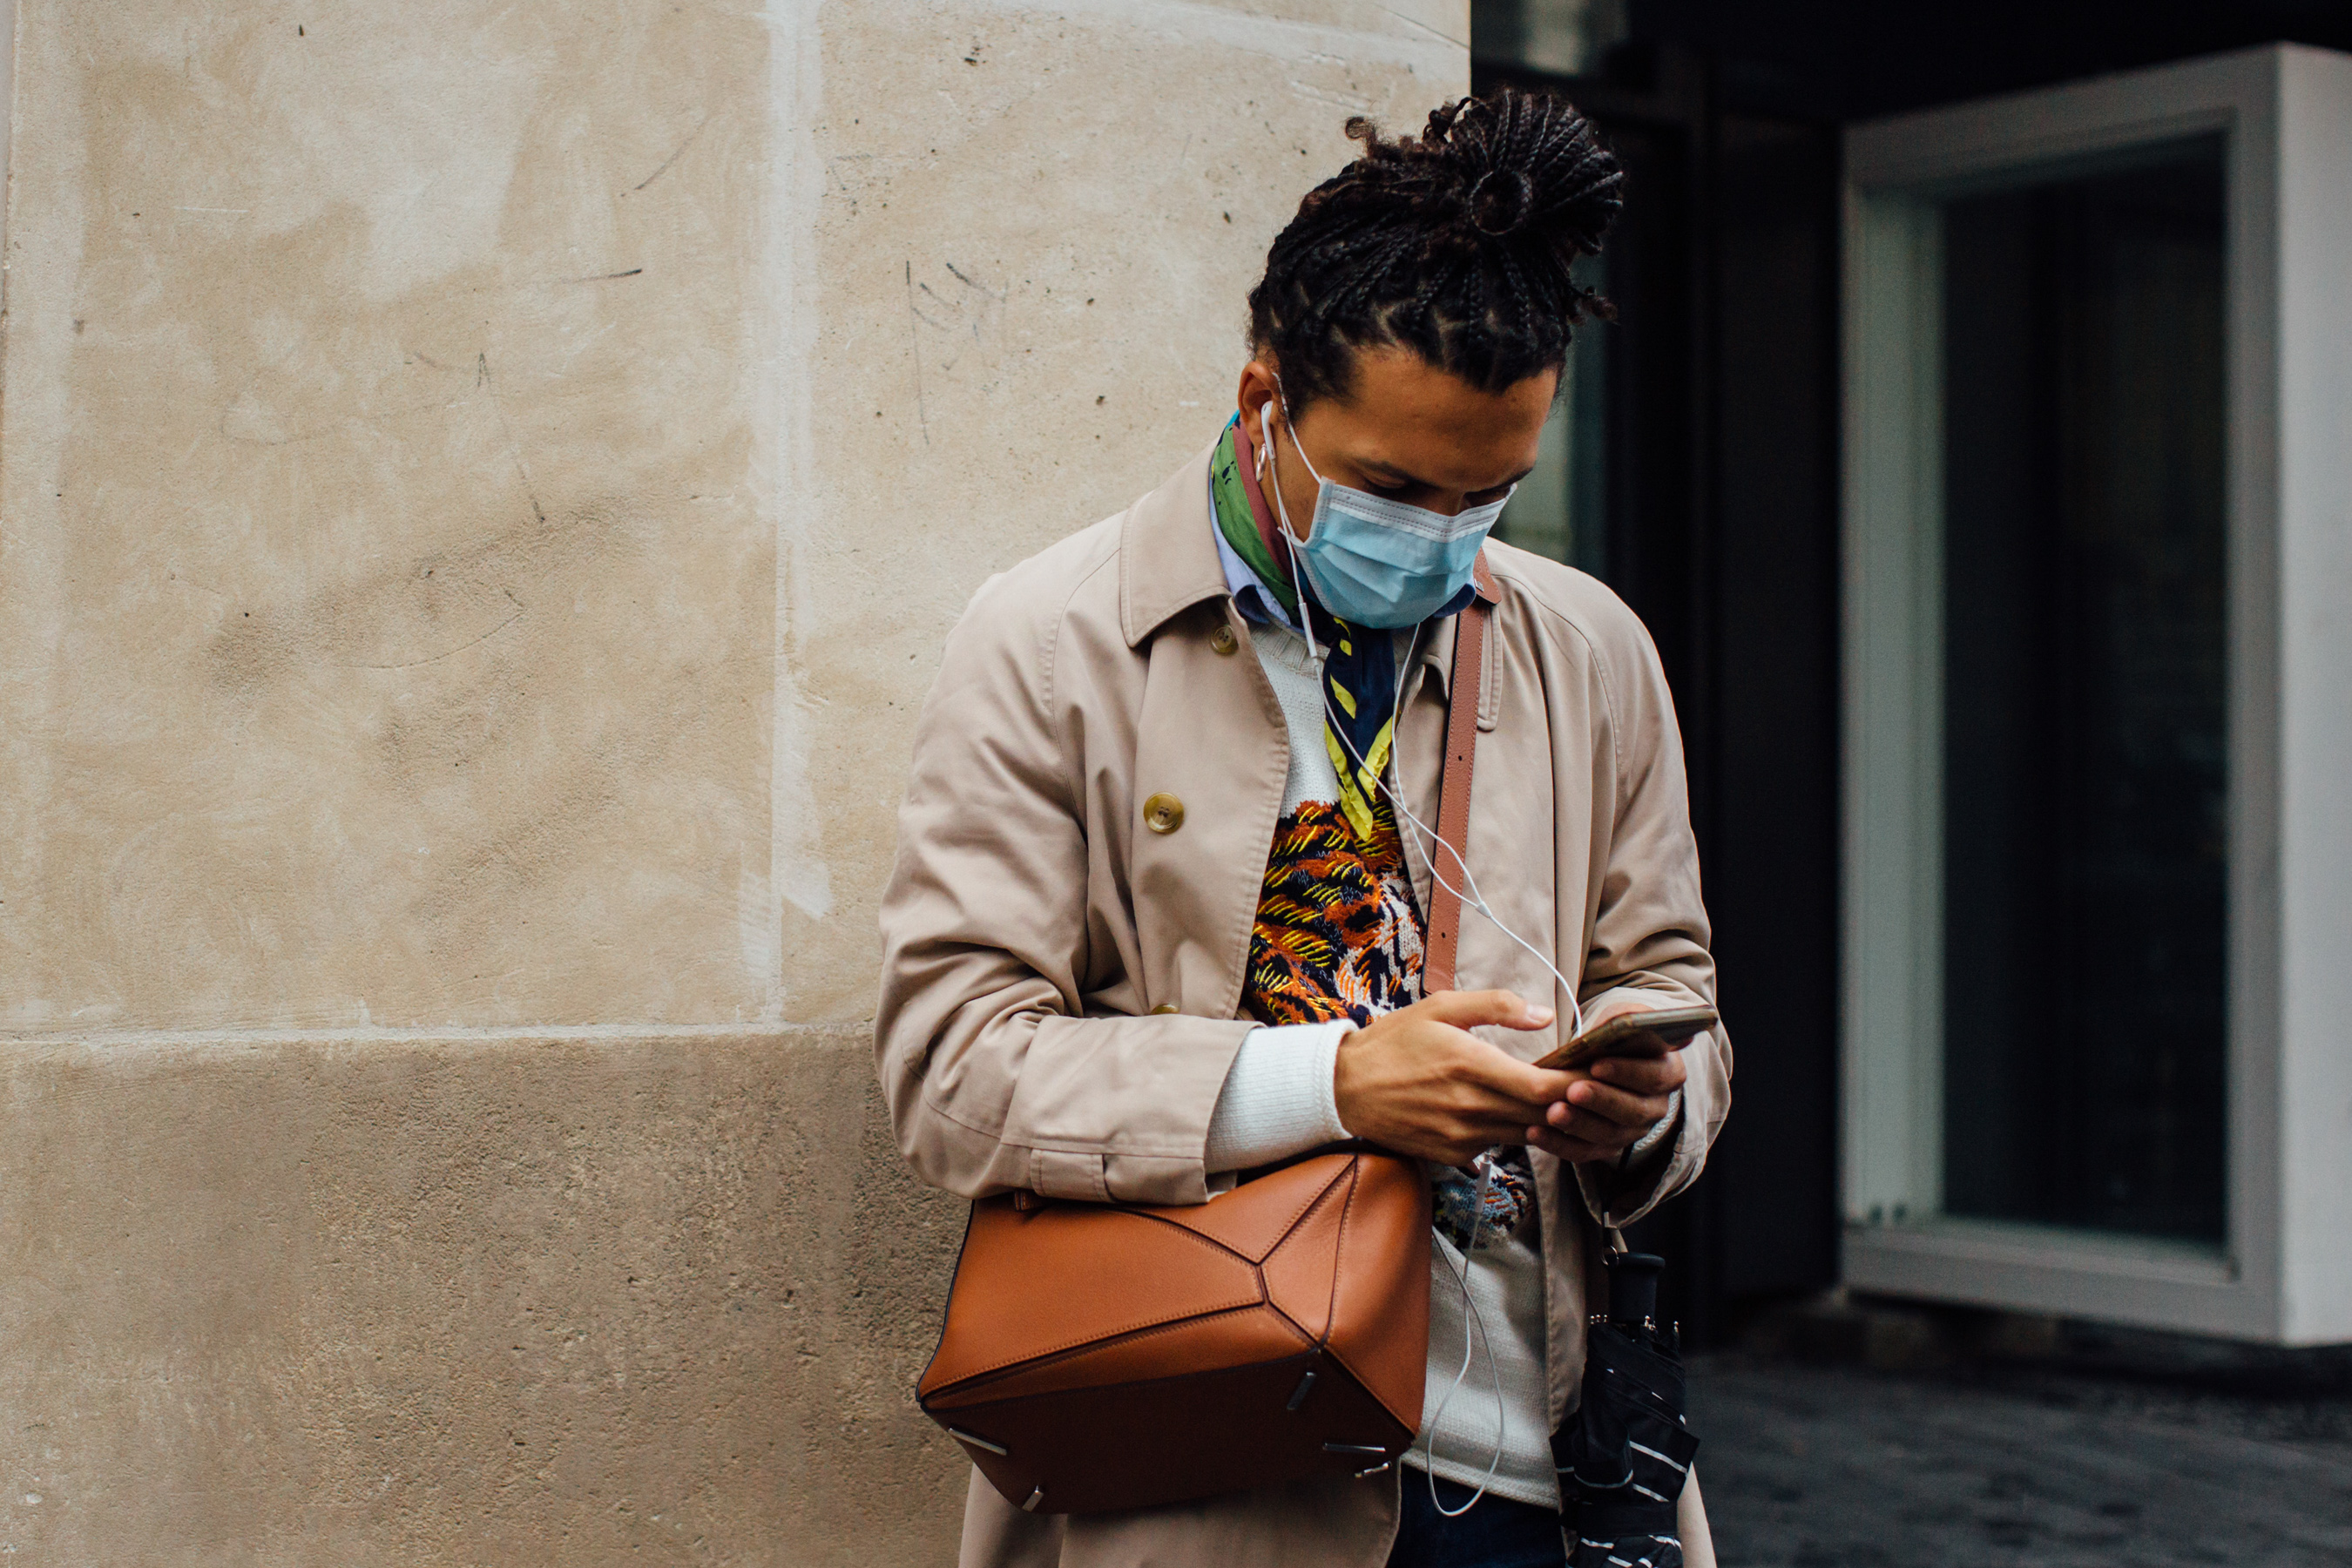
(1633, 1288)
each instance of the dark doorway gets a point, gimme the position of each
(1718, 468)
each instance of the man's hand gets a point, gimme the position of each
(1608, 1105)
(1417, 1081)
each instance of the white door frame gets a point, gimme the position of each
(2285, 114)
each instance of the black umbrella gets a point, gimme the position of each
(1625, 1453)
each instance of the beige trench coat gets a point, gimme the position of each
(1060, 984)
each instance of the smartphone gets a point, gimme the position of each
(1671, 1026)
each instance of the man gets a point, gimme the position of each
(1163, 871)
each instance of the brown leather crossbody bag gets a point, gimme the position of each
(1101, 1356)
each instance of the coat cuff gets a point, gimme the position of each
(1621, 1193)
(1278, 1099)
(1618, 1193)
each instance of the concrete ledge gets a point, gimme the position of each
(483, 1300)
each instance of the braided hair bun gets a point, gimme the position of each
(1456, 244)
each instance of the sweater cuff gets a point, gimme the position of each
(1660, 1136)
(1278, 1099)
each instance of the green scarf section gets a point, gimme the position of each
(1238, 522)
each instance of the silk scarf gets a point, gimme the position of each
(1360, 667)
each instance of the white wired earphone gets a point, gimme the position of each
(1473, 899)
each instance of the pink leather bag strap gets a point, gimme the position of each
(1466, 690)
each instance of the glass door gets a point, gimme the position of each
(2086, 766)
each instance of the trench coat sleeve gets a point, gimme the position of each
(995, 1076)
(1650, 932)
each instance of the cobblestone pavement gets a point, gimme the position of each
(2032, 1466)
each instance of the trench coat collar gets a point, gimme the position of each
(1167, 554)
(1167, 562)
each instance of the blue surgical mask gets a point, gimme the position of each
(1375, 562)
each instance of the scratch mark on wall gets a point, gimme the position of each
(838, 176)
(957, 312)
(1438, 34)
(673, 157)
(451, 653)
(1194, 26)
(928, 319)
(1336, 100)
(995, 294)
(915, 314)
(603, 277)
(252, 421)
(514, 447)
(417, 612)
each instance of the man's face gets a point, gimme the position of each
(1405, 430)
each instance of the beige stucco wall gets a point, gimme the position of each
(481, 489)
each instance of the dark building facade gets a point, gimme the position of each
(2086, 972)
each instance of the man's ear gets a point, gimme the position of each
(1258, 386)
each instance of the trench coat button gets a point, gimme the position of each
(1165, 1007)
(1163, 814)
(1223, 640)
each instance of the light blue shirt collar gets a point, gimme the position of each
(1259, 604)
